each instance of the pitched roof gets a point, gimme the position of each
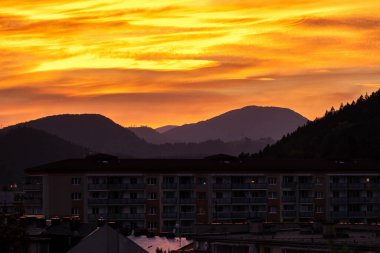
(106, 240)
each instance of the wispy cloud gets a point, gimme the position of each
(144, 62)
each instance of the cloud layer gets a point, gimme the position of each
(174, 62)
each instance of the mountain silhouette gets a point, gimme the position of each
(352, 132)
(251, 122)
(93, 131)
(164, 129)
(22, 147)
(149, 135)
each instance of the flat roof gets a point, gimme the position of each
(203, 166)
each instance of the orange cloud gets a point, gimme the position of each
(174, 62)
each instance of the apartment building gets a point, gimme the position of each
(171, 195)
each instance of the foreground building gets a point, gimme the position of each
(171, 195)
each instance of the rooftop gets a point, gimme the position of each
(109, 164)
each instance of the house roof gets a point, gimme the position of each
(106, 240)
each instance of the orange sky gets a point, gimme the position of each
(173, 62)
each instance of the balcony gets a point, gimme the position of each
(222, 201)
(306, 214)
(186, 230)
(117, 186)
(361, 200)
(136, 216)
(291, 185)
(289, 199)
(98, 187)
(306, 200)
(189, 215)
(289, 214)
(136, 201)
(32, 202)
(242, 200)
(117, 201)
(169, 186)
(339, 186)
(240, 215)
(356, 186)
(168, 229)
(339, 214)
(98, 201)
(306, 186)
(339, 201)
(259, 200)
(169, 200)
(186, 186)
(32, 187)
(169, 215)
(187, 201)
(249, 186)
(222, 215)
(135, 186)
(116, 216)
(357, 214)
(221, 186)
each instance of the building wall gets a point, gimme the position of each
(166, 202)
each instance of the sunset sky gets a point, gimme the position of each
(161, 62)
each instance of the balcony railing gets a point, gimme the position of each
(32, 187)
(169, 186)
(187, 215)
(187, 201)
(289, 199)
(259, 200)
(240, 215)
(291, 185)
(98, 187)
(117, 186)
(221, 186)
(289, 213)
(121, 201)
(32, 201)
(340, 200)
(339, 214)
(306, 200)
(98, 201)
(186, 230)
(136, 216)
(135, 186)
(169, 200)
(222, 215)
(222, 201)
(242, 200)
(306, 186)
(169, 215)
(186, 186)
(306, 214)
(250, 186)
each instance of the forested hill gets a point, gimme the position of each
(352, 132)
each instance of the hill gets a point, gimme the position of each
(24, 147)
(149, 135)
(352, 132)
(94, 131)
(251, 122)
(164, 129)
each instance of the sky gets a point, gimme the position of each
(161, 62)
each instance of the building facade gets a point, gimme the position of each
(173, 195)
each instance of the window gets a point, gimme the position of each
(319, 195)
(95, 210)
(75, 181)
(75, 211)
(152, 225)
(152, 210)
(272, 180)
(152, 181)
(319, 209)
(319, 180)
(272, 195)
(201, 195)
(201, 180)
(219, 195)
(133, 210)
(272, 209)
(152, 195)
(133, 195)
(133, 180)
(76, 196)
(95, 195)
